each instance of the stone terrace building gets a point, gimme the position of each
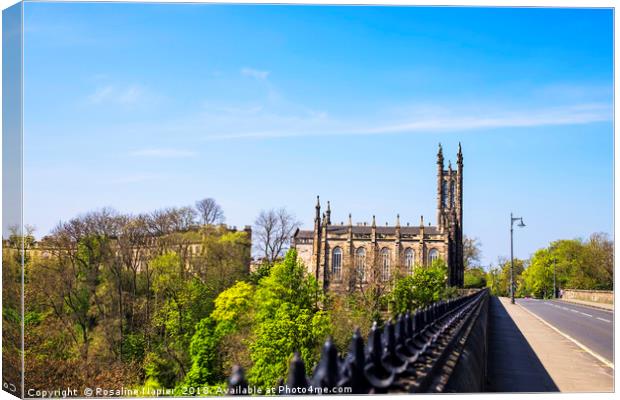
(344, 256)
(189, 246)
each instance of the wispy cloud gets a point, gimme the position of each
(445, 120)
(458, 121)
(134, 178)
(129, 95)
(264, 117)
(255, 73)
(163, 153)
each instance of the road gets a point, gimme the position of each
(592, 327)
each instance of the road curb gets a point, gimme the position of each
(582, 304)
(602, 359)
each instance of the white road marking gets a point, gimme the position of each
(587, 315)
(603, 319)
(575, 311)
(599, 309)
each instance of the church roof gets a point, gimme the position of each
(357, 229)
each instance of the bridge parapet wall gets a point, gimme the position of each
(596, 296)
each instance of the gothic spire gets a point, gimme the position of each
(459, 157)
(440, 155)
(398, 220)
(329, 214)
(350, 220)
(374, 223)
(317, 214)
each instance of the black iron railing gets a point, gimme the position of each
(418, 352)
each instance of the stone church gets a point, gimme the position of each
(345, 257)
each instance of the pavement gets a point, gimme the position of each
(527, 355)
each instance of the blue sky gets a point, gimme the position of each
(144, 106)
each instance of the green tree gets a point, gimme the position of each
(224, 259)
(498, 279)
(209, 348)
(538, 277)
(577, 263)
(180, 303)
(425, 286)
(474, 278)
(288, 318)
(471, 252)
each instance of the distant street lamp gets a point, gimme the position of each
(512, 262)
(555, 293)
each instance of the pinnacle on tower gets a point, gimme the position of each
(350, 220)
(374, 223)
(421, 220)
(459, 156)
(329, 214)
(317, 214)
(398, 220)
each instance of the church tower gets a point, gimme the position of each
(450, 213)
(316, 240)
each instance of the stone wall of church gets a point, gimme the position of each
(349, 249)
(304, 253)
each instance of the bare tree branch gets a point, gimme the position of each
(209, 211)
(273, 230)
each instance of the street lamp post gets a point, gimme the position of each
(512, 262)
(555, 292)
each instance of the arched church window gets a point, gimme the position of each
(337, 263)
(385, 264)
(432, 256)
(409, 261)
(360, 264)
(452, 194)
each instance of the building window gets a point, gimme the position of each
(409, 260)
(432, 256)
(452, 194)
(336, 263)
(385, 264)
(360, 264)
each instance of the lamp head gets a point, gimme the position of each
(521, 224)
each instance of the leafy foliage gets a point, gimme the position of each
(474, 278)
(288, 319)
(471, 252)
(498, 279)
(207, 354)
(578, 264)
(120, 297)
(278, 316)
(425, 286)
